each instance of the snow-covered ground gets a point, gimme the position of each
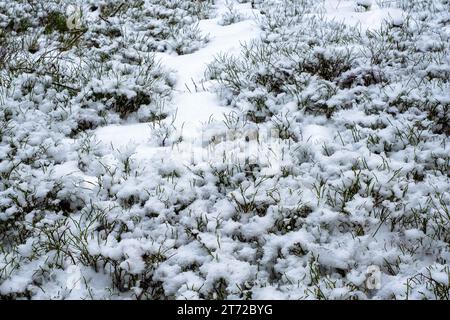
(366, 18)
(196, 105)
(225, 149)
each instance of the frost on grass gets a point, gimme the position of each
(355, 173)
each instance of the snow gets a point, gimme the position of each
(440, 277)
(195, 110)
(241, 150)
(317, 134)
(344, 11)
(123, 135)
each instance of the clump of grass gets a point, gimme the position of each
(230, 16)
(55, 21)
